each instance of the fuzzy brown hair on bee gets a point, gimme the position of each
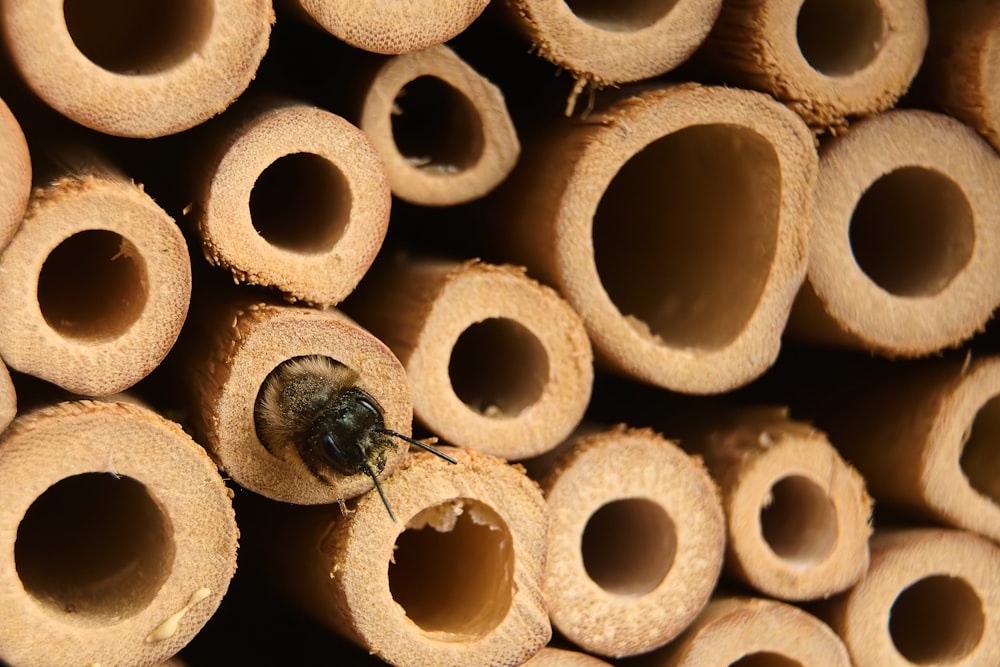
(312, 407)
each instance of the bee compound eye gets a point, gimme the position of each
(334, 452)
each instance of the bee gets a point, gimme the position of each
(311, 406)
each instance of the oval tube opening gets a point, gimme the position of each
(622, 16)
(798, 521)
(980, 458)
(436, 127)
(840, 37)
(937, 620)
(765, 659)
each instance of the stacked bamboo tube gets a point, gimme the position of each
(437, 245)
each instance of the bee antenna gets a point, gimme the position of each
(381, 493)
(419, 444)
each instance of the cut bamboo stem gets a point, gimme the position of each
(496, 361)
(906, 237)
(8, 398)
(137, 70)
(557, 657)
(15, 175)
(116, 550)
(635, 541)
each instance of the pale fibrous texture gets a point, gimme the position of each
(15, 175)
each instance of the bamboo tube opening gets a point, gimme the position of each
(765, 659)
(628, 546)
(129, 37)
(685, 235)
(798, 521)
(625, 17)
(980, 457)
(94, 545)
(498, 367)
(912, 231)
(301, 202)
(93, 286)
(937, 620)
(840, 37)
(473, 594)
(436, 127)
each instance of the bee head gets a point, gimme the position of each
(347, 434)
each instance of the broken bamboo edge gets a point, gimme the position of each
(930, 597)
(442, 129)
(636, 540)
(557, 657)
(142, 71)
(828, 61)
(118, 549)
(95, 285)
(906, 237)
(297, 199)
(383, 584)
(496, 361)
(15, 175)
(642, 217)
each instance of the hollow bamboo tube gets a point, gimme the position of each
(754, 631)
(118, 548)
(930, 597)
(557, 657)
(455, 581)
(496, 361)
(8, 398)
(906, 237)
(15, 175)
(442, 129)
(297, 199)
(676, 224)
(136, 70)
(635, 541)
(827, 60)
(393, 28)
(606, 43)
(94, 286)
(241, 347)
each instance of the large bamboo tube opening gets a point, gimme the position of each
(94, 544)
(685, 235)
(93, 285)
(937, 620)
(840, 37)
(627, 17)
(980, 457)
(435, 126)
(799, 523)
(912, 231)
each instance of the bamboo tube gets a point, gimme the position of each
(557, 657)
(393, 28)
(94, 286)
(496, 361)
(117, 549)
(137, 70)
(754, 631)
(828, 61)
(906, 237)
(635, 541)
(8, 398)
(442, 129)
(931, 597)
(297, 199)
(676, 224)
(15, 175)
(455, 581)
(242, 346)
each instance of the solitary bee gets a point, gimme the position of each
(313, 406)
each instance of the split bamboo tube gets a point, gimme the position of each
(754, 631)
(15, 175)
(608, 43)
(455, 581)
(829, 60)
(906, 237)
(242, 346)
(635, 541)
(496, 361)
(8, 398)
(676, 223)
(297, 199)
(931, 597)
(137, 70)
(442, 129)
(119, 539)
(557, 657)
(94, 286)
(393, 28)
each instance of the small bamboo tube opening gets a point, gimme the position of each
(840, 37)
(799, 521)
(629, 17)
(980, 456)
(937, 620)
(766, 659)
(436, 126)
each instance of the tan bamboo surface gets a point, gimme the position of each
(8, 398)
(393, 28)
(15, 175)
(753, 631)
(242, 344)
(636, 541)
(676, 223)
(118, 548)
(826, 60)
(906, 237)
(297, 199)
(931, 597)
(137, 70)
(95, 284)
(442, 129)
(557, 657)
(456, 580)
